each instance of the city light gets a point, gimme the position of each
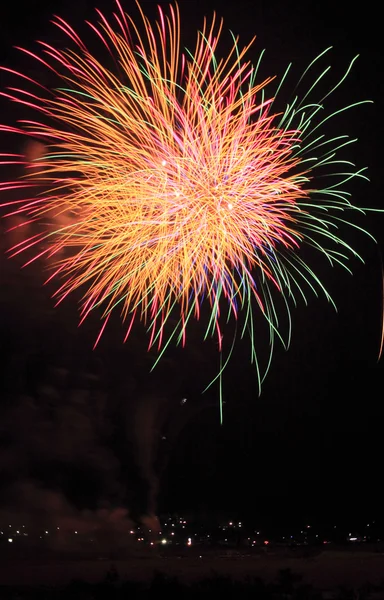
(212, 535)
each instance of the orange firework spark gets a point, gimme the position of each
(184, 184)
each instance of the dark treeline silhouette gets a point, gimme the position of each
(287, 586)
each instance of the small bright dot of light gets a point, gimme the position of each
(230, 206)
(163, 162)
(164, 541)
(10, 540)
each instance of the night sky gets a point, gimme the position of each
(311, 444)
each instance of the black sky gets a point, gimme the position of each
(312, 443)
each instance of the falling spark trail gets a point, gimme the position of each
(179, 180)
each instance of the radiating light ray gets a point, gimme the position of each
(172, 182)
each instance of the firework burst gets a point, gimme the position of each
(184, 184)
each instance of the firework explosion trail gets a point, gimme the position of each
(186, 186)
